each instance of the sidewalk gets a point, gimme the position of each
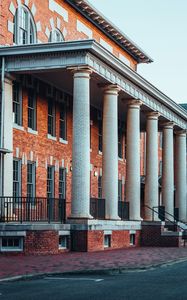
(134, 258)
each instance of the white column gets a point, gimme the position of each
(151, 181)
(110, 151)
(168, 169)
(180, 174)
(133, 159)
(81, 145)
(8, 140)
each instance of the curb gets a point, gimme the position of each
(112, 271)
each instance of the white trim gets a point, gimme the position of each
(55, 7)
(106, 45)
(18, 127)
(63, 232)
(10, 26)
(33, 9)
(50, 137)
(29, 130)
(38, 26)
(81, 27)
(62, 141)
(12, 8)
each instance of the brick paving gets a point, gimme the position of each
(13, 265)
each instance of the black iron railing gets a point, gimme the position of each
(97, 208)
(36, 209)
(123, 210)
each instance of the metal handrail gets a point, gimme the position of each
(169, 214)
(173, 222)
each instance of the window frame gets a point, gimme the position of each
(63, 182)
(51, 182)
(32, 110)
(52, 117)
(19, 181)
(53, 36)
(29, 26)
(33, 177)
(18, 102)
(120, 189)
(63, 121)
(99, 187)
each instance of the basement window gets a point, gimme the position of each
(63, 242)
(11, 244)
(107, 241)
(132, 239)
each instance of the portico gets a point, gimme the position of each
(95, 77)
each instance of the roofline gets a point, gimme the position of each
(111, 30)
(98, 50)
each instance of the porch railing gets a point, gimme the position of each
(97, 208)
(123, 210)
(36, 209)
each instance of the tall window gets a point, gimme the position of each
(0, 115)
(32, 109)
(56, 36)
(31, 179)
(125, 146)
(99, 187)
(100, 129)
(17, 103)
(24, 26)
(63, 121)
(50, 181)
(120, 143)
(62, 183)
(51, 117)
(119, 190)
(161, 139)
(16, 178)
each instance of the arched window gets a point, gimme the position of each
(56, 36)
(24, 27)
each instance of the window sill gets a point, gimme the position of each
(120, 159)
(90, 150)
(29, 130)
(19, 127)
(100, 153)
(50, 137)
(62, 141)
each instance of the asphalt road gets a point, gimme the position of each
(162, 283)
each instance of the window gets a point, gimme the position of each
(107, 241)
(132, 239)
(11, 243)
(62, 183)
(17, 103)
(100, 187)
(50, 181)
(100, 129)
(32, 109)
(24, 26)
(120, 143)
(63, 121)
(16, 178)
(119, 190)
(125, 147)
(63, 242)
(31, 180)
(0, 113)
(56, 36)
(161, 139)
(160, 168)
(51, 118)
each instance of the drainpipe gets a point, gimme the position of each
(2, 124)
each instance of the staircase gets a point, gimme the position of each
(167, 233)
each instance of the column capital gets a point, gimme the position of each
(81, 71)
(168, 125)
(134, 103)
(110, 89)
(181, 132)
(152, 115)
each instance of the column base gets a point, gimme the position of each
(112, 218)
(80, 216)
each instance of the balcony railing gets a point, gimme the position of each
(25, 209)
(97, 208)
(123, 210)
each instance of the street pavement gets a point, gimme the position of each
(163, 283)
(109, 261)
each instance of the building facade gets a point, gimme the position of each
(93, 156)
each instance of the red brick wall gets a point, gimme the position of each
(121, 239)
(43, 14)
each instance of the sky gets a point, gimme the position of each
(159, 27)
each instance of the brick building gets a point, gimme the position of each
(87, 145)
